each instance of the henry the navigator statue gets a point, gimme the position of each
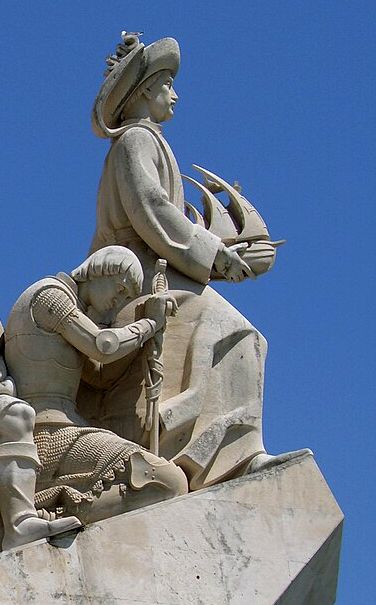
(211, 404)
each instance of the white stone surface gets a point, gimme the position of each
(267, 538)
(210, 408)
(53, 327)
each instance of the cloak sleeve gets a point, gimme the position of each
(187, 247)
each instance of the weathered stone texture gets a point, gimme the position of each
(269, 538)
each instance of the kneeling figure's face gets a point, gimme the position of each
(108, 295)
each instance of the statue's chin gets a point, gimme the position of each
(167, 117)
(102, 320)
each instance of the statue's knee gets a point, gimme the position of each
(262, 343)
(18, 422)
(242, 325)
(148, 469)
(24, 413)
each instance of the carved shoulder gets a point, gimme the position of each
(50, 306)
(138, 141)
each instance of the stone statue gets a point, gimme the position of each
(130, 381)
(18, 465)
(211, 408)
(54, 326)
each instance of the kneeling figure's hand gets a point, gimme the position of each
(159, 306)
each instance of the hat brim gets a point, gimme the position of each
(119, 86)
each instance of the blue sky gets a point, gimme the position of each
(279, 95)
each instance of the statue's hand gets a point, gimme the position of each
(158, 306)
(229, 263)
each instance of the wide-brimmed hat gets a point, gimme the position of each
(132, 64)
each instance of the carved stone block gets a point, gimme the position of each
(268, 538)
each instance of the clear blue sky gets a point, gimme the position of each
(279, 95)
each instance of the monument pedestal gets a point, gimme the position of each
(265, 539)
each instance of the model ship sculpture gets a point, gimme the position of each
(237, 224)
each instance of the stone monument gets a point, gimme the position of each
(129, 383)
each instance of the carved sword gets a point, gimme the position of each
(153, 364)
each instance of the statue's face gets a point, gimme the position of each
(161, 98)
(108, 295)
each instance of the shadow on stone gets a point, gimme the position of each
(66, 539)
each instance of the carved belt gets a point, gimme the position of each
(55, 409)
